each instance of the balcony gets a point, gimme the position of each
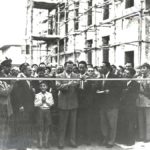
(45, 4)
(45, 37)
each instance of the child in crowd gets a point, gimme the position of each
(44, 100)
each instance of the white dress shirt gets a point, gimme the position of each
(49, 100)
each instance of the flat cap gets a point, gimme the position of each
(6, 63)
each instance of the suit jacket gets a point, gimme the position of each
(22, 96)
(144, 94)
(86, 94)
(67, 95)
(129, 96)
(5, 92)
(111, 99)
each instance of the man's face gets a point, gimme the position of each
(90, 71)
(43, 87)
(53, 72)
(75, 69)
(104, 68)
(144, 70)
(28, 71)
(128, 65)
(7, 69)
(34, 68)
(127, 74)
(82, 68)
(59, 70)
(41, 73)
(69, 68)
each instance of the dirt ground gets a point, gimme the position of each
(137, 146)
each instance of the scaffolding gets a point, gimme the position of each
(66, 7)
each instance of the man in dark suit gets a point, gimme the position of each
(23, 107)
(67, 104)
(127, 113)
(109, 105)
(86, 101)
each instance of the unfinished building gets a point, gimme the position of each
(93, 30)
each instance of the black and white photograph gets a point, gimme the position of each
(74, 74)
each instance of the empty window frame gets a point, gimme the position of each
(61, 46)
(66, 25)
(27, 49)
(76, 18)
(51, 21)
(89, 12)
(89, 43)
(106, 10)
(105, 41)
(62, 11)
(147, 4)
(129, 3)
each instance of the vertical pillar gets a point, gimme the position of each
(113, 3)
(31, 31)
(85, 39)
(47, 53)
(95, 30)
(58, 42)
(58, 52)
(66, 27)
(58, 19)
(140, 25)
(40, 52)
(74, 47)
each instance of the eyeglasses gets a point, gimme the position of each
(90, 70)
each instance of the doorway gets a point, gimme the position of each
(129, 57)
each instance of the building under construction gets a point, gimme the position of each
(117, 31)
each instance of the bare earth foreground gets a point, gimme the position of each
(137, 146)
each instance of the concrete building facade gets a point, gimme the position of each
(15, 52)
(93, 30)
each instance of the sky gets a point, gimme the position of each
(12, 21)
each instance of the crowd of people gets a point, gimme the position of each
(72, 109)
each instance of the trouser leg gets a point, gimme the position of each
(63, 119)
(112, 115)
(147, 115)
(103, 123)
(72, 124)
(141, 123)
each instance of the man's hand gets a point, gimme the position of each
(21, 109)
(83, 77)
(107, 91)
(72, 83)
(33, 89)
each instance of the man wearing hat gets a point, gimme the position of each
(6, 67)
(5, 103)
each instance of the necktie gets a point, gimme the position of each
(103, 82)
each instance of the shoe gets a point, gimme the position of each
(21, 149)
(109, 145)
(60, 147)
(46, 145)
(104, 143)
(73, 144)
